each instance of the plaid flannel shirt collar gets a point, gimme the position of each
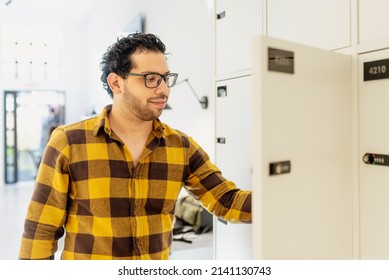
(102, 123)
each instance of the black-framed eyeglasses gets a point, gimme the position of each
(153, 80)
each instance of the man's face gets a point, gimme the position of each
(146, 103)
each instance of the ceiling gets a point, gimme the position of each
(45, 11)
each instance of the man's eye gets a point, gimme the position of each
(151, 78)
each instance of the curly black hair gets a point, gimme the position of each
(117, 59)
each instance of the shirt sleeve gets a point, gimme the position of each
(46, 212)
(218, 195)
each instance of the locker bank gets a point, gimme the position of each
(297, 95)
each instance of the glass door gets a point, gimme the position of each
(30, 117)
(10, 137)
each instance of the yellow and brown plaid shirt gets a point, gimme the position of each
(88, 187)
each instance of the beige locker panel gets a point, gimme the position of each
(236, 23)
(374, 178)
(320, 23)
(373, 20)
(305, 212)
(234, 158)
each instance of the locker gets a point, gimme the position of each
(373, 20)
(374, 139)
(302, 169)
(321, 23)
(234, 158)
(236, 23)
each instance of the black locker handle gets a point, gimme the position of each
(221, 15)
(376, 159)
(221, 140)
(222, 91)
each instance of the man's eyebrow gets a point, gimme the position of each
(152, 72)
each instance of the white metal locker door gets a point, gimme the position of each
(236, 23)
(374, 138)
(234, 158)
(305, 118)
(302, 21)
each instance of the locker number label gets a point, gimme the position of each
(375, 70)
(278, 168)
(280, 60)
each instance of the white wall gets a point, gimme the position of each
(73, 71)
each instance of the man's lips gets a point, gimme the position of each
(160, 103)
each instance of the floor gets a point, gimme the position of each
(13, 206)
(201, 247)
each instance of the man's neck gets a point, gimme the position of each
(132, 131)
(129, 125)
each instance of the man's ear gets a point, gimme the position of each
(115, 82)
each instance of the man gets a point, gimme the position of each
(111, 182)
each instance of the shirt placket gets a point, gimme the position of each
(136, 211)
(133, 197)
(138, 195)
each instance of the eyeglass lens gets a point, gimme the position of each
(153, 80)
